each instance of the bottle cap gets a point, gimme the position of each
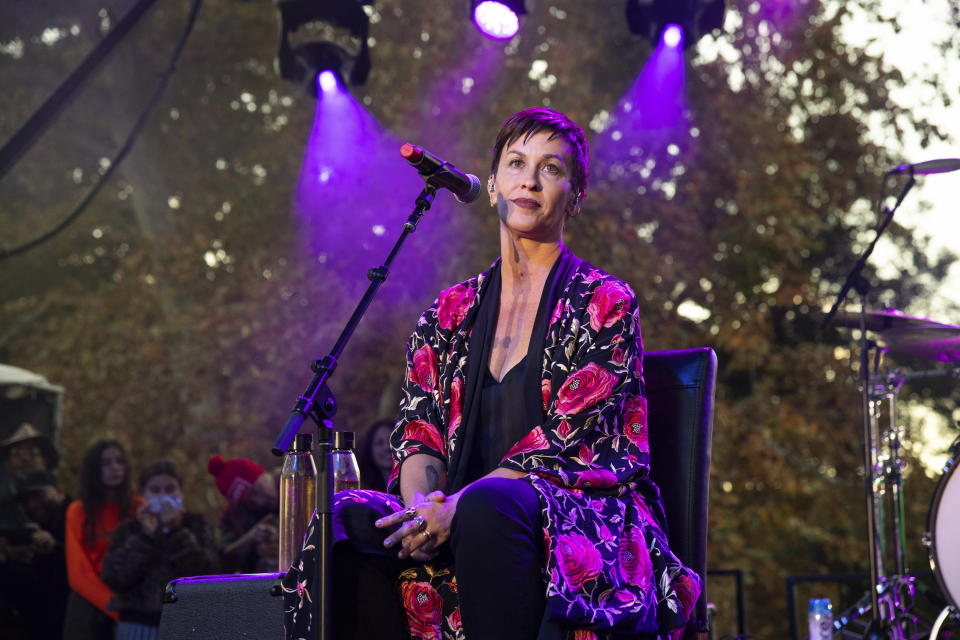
(343, 439)
(820, 606)
(303, 442)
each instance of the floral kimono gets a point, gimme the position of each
(609, 570)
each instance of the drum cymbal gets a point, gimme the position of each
(940, 343)
(882, 320)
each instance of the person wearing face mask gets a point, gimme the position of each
(105, 501)
(163, 542)
(520, 504)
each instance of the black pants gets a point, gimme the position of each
(496, 548)
(83, 621)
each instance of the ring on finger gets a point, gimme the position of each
(421, 523)
(428, 533)
(409, 513)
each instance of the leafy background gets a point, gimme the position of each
(182, 309)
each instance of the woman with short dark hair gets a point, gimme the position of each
(521, 501)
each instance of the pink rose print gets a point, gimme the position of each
(593, 275)
(645, 515)
(585, 456)
(535, 440)
(583, 634)
(635, 422)
(424, 610)
(635, 565)
(424, 370)
(584, 388)
(608, 305)
(687, 591)
(605, 535)
(617, 357)
(456, 406)
(545, 393)
(426, 433)
(564, 430)
(557, 311)
(578, 560)
(595, 479)
(453, 620)
(453, 305)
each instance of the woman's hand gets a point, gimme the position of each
(420, 543)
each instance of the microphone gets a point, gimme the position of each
(465, 186)
(944, 165)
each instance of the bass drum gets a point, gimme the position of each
(943, 528)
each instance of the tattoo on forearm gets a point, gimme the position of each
(433, 478)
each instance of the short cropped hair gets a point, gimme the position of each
(535, 120)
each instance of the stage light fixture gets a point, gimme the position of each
(673, 35)
(498, 20)
(324, 35)
(695, 18)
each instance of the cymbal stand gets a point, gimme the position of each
(882, 591)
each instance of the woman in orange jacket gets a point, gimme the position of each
(105, 501)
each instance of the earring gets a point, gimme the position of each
(490, 185)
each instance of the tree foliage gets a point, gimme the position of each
(181, 313)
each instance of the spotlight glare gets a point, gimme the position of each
(673, 35)
(496, 20)
(327, 81)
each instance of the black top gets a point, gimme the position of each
(502, 421)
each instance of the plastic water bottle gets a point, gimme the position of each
(346, 471)
(298, 498)
(820, 619)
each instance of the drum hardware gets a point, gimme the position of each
(938, 343)
(877, 321)
(940, 538)
(894, 588)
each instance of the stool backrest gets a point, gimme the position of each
(680, 387)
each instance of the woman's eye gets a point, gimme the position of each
(516, 162)
(552, 169)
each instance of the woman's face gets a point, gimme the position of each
(113, 467)
(532, 189)
(380, 448)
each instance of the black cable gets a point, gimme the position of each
(124, 149)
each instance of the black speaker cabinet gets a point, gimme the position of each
(223, 607)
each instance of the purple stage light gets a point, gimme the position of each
(673, 35)
(496, 20)
(327, 81)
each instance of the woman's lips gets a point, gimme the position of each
(526, 203)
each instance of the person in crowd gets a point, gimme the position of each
(27, 449)
(247, 530)
(163, 542)
(520, 503)
(105, 500)
(374, 457)
(33, 580)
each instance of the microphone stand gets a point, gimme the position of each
(855, 280)
(318, 402)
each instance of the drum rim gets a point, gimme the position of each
(948, 469)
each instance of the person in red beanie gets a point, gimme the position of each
(247, 530)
